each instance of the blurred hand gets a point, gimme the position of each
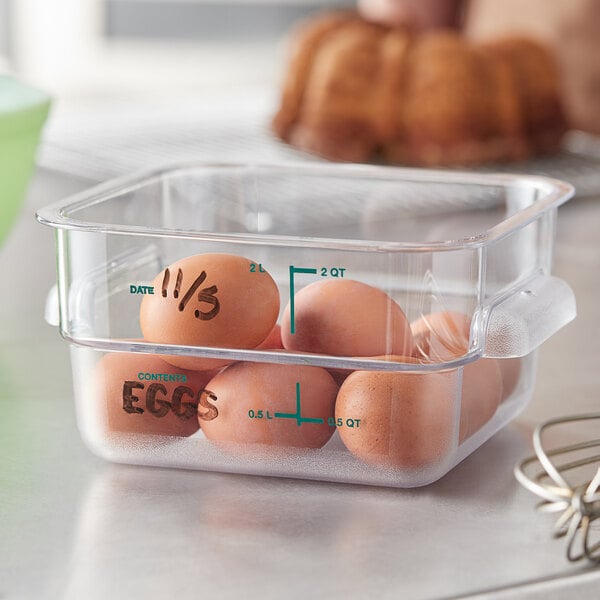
(422, 14)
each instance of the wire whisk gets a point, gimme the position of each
(578, 504)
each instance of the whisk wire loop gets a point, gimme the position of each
(579, 504)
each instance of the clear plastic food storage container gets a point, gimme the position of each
(345, 323)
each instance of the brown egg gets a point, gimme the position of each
(216, 300)
(273, 341)
(443, 336)
(400, 419)
(276, 405)
(342, 317)
(141, 393)
(510, 368)
(339, 375)
(481, 395)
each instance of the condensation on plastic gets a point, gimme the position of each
(434, 241)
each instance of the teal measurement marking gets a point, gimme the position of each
(298, 414)
(293, 271)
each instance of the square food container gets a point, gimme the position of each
(345, 323)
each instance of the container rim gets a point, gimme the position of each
(553, 192)
(289, 357)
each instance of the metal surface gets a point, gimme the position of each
(73, 527)
(577, 502)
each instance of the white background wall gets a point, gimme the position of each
(91, 47)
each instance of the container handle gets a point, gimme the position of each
(528, 316)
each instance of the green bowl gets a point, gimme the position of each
(23, 111)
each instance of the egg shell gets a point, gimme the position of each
(444, 336)
(244, 387)
(273, 340)
(407, 419)
(135, 395)
(441, 336)
(481, 395)
(342, 317)
(193, 363)
(215, 300)
(511, 369)
(340, 375)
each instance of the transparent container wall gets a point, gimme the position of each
(409, 305)
(100, 269)
(292, 422)
(520, 254)
(105, 276)
(279, 201)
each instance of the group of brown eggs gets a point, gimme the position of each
(404, 419)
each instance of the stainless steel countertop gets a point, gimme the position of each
(74, 527)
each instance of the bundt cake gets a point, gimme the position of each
(360, 91)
